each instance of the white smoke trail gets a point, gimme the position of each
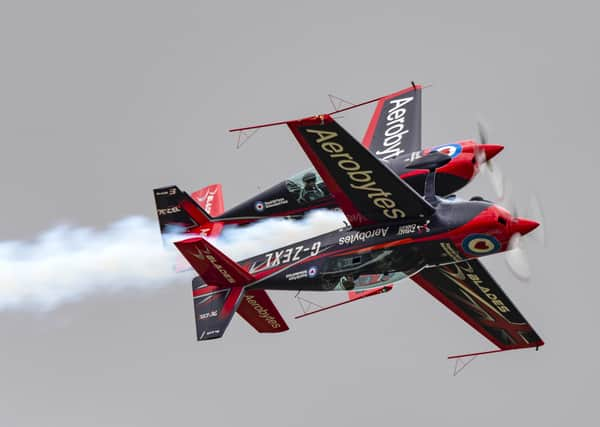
(67, 264)
(244, 242)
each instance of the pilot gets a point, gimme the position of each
(310, 191)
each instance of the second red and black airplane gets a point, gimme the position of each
(393, 136)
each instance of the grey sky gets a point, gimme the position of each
(102, 101)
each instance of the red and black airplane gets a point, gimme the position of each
(393, 136)
(394, 233)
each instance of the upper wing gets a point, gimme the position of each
(367, 190)
(395, 127)
(469, 290)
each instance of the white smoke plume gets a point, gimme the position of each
(243, 242)
(67, 264)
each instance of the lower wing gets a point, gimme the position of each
(469, 291)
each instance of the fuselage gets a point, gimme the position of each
(306, 190)
(375, 255)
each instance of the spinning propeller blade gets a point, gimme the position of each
(484, 154)
(516, 259)
(516, 256)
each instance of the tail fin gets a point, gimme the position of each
(174, 218)
(214, 306)
(395, 127)
(170, 216)
(210, 198)
(179, 213)
(204, 205)
(213, 265)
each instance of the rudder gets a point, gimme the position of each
(178, 213)
(214, 307)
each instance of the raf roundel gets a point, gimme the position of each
(259, 206)
(312, 272)
(480, 244)
(451, 150)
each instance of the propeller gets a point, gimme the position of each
(536, 212)
(516, 255)
(484, 154)
(516, 259)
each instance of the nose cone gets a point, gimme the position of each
(524, 226)
(490, 150)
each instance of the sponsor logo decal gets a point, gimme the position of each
(206, 255)
(360, 179)
(275, 202)
(297, 275)
(407, 229)
(168, 211)
(480, 244)
(262, 312)
(394, 128)
(362, 236)
(451, 150)
(208, 197)
(312, 271)
(412, 228)
(459, 273)
(259, 206)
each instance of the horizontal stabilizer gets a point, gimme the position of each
(212, 265)
(259, 311)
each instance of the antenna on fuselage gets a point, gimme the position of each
(431, 162)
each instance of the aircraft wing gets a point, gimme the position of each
(469, 291)
(395, 127)
(366, 189)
